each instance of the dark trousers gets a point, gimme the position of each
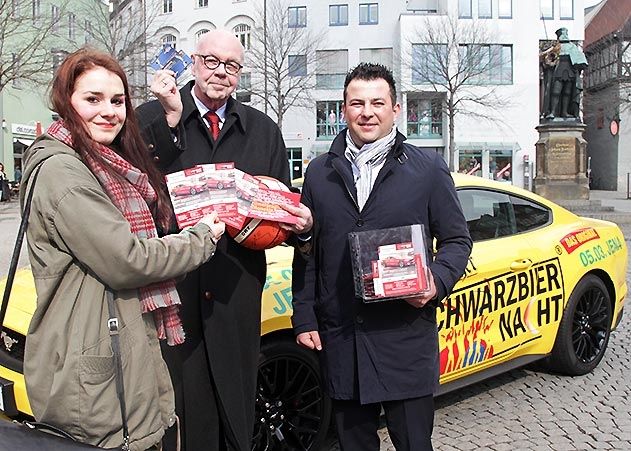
(409, 422)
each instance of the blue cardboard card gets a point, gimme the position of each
(170, 59)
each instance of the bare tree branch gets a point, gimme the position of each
(28, 38)
(122, 30)
(288, 85)
(463, 61)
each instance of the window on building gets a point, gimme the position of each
(54, 17)
(377, 56)
(600, 118)
(244, 87)
(15, 69)
(331, 68)
(58, 57)
(464, 9)
(36, 9)
(329, 119)
(428, 61)
(130, 15)
(566, 9)
(294, 156)
(15, 9)
(202, 3)
(546, 9)
(87, 25)
(297, 16)
(169, 39)
(488, 64)
(242, 32)
(201, 33)
(368, 13)
(338, 15)
(505, 9)
(167, 6)
(72, 26)
(297, 65)
(425, 118)
(423, 6)
(500, 164)
(485, 10)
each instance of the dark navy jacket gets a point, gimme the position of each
(385, 350)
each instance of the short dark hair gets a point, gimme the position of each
(371, 71)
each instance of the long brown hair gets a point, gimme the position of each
(128, 143)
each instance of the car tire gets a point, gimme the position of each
(584, 331)
(219, 185)
(292, 411)
(193, 191)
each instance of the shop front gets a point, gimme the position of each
(489, 160)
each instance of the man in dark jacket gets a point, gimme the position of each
(214, 371)
(382, 354)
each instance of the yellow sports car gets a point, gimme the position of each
(541, 283)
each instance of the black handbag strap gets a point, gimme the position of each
(112, 323)
(18, 247)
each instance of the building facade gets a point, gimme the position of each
(608, 95)
(490, 138)
(57, 27)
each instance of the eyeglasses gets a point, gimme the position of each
(212, 63)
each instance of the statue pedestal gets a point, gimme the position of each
(561, 162)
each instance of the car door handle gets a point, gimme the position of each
(520, 265)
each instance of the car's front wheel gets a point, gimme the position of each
(584, 330)
(292, 411)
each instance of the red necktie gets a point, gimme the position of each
(213, 119)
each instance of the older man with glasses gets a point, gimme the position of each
(214, 371)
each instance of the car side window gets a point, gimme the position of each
(529, 215)
(489, 214)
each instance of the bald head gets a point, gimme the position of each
(220, 39)
(213, 84)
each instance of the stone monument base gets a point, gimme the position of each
(561, 161)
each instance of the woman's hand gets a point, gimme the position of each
(217, 227)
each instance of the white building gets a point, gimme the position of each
(390, 32)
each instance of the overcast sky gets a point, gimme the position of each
(588, 3)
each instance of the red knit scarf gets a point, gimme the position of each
(131, 193)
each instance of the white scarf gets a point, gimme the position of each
(371, 156)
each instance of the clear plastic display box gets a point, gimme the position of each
(389, 263)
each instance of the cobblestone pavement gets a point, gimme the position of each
(529, 409)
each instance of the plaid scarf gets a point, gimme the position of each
(370, 156)
(131, 193)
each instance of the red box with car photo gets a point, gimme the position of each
(389, 263)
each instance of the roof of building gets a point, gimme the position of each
(608, 17)
(591, 11)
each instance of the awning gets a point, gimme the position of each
(486, 145)
(26, 142)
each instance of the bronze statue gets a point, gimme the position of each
(562, 66)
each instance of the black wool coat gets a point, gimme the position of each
(221, 301)
(388, 350)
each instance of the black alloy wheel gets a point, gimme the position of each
(292, 411)
(584, 331)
